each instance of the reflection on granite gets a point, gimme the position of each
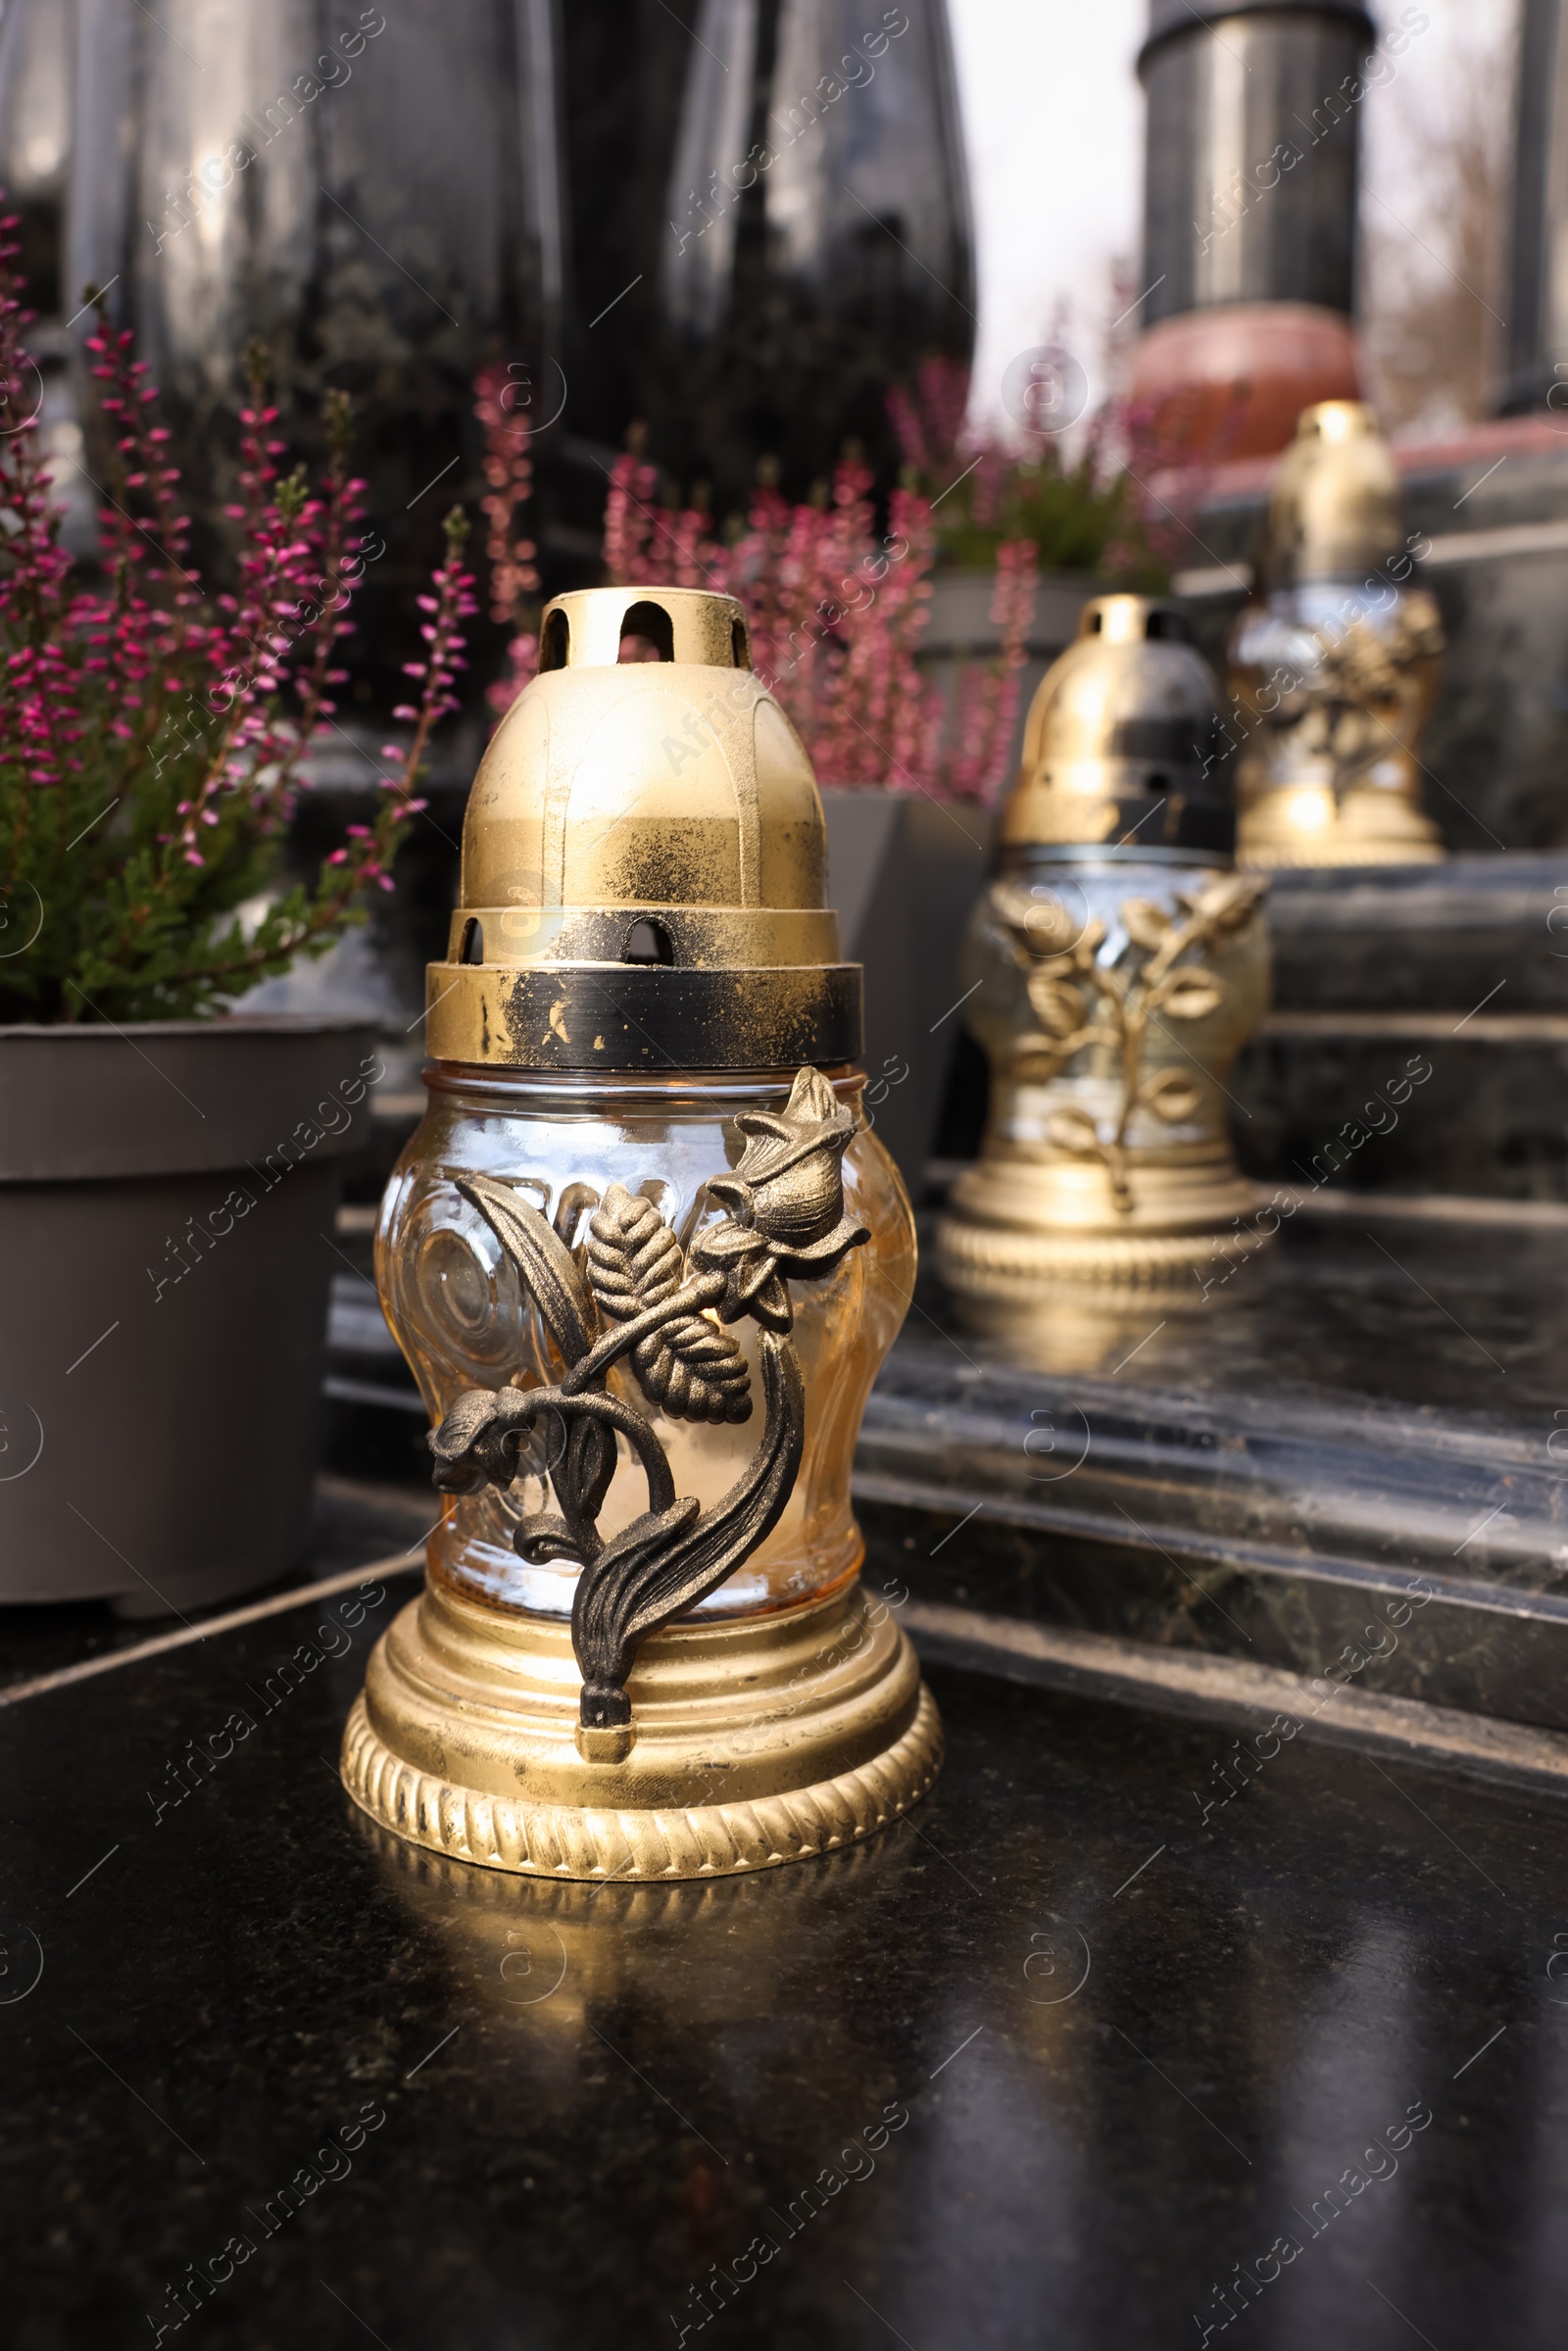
(1060, 2059)
(1252, 1474)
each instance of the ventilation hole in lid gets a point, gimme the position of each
(740, 645)
(652, 626)
(555, 650)
(648, 942)
(1172, 627)
(1158, 783)
(1097, 623)
(473, 941)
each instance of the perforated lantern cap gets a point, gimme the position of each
(1119, 748)
(643, 860)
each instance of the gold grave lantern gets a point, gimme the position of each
(1116, 965)
(645, 1257)
(1335, 663)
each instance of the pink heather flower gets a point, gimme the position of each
(167, 690)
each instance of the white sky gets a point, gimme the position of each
(1053, 118)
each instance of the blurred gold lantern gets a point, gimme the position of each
(1335, 664)
(1116, 965)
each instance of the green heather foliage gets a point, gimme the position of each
(1088, 511)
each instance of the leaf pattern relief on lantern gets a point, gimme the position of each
(1118, 1019)
(1332, 686)
(672, 1408)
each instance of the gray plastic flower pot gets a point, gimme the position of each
(166, 1196)
(904, 872)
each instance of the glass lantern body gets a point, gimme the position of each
(465, 1320)
(1336, 680)
(1050, 903)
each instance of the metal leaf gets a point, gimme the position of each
(1073, 1131)
(664, 1563)
(689, 1366)
(1172, 1095)
(547, 1267)
(1193, 993)
(1144, 922)
(1059, 1007)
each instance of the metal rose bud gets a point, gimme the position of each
(790, 1183)
(786, 1203)
(1229, 904)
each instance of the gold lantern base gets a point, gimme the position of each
(1016, 1222)
(1305, 826)
(753, 1740)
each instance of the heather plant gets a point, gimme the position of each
(1082, 504)
(513, 576)
(837, 613)
(152, 733)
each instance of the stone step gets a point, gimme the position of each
(1477, 933)
(1407, 1101)
(1342, 1462)
(1429, 1002)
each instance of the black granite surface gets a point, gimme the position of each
(1402, 1102)
(1417, 937)
(1458, 971)
(1372, 1417)
(1057, 2061)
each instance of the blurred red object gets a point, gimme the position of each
(1229, 382)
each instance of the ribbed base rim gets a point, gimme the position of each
(992, 1261)
(704, 1840)
(1281, 857)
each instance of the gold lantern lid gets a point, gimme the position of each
(644, 861)
(1334, 512)
(1119, 748)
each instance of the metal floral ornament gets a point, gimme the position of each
(1081, 1002)
(630, 1293)
(786, 1202)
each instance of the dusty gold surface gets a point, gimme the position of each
(1080, 768)
(644, 783)
(657, 818)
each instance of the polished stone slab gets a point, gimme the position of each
(1352, 1448)
(1064, 2058)
(1458, 971)
(1419, 938)
(1407, 1101)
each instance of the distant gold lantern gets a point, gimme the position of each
(645, 1257)
(1116, 965)
(1335, 664)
